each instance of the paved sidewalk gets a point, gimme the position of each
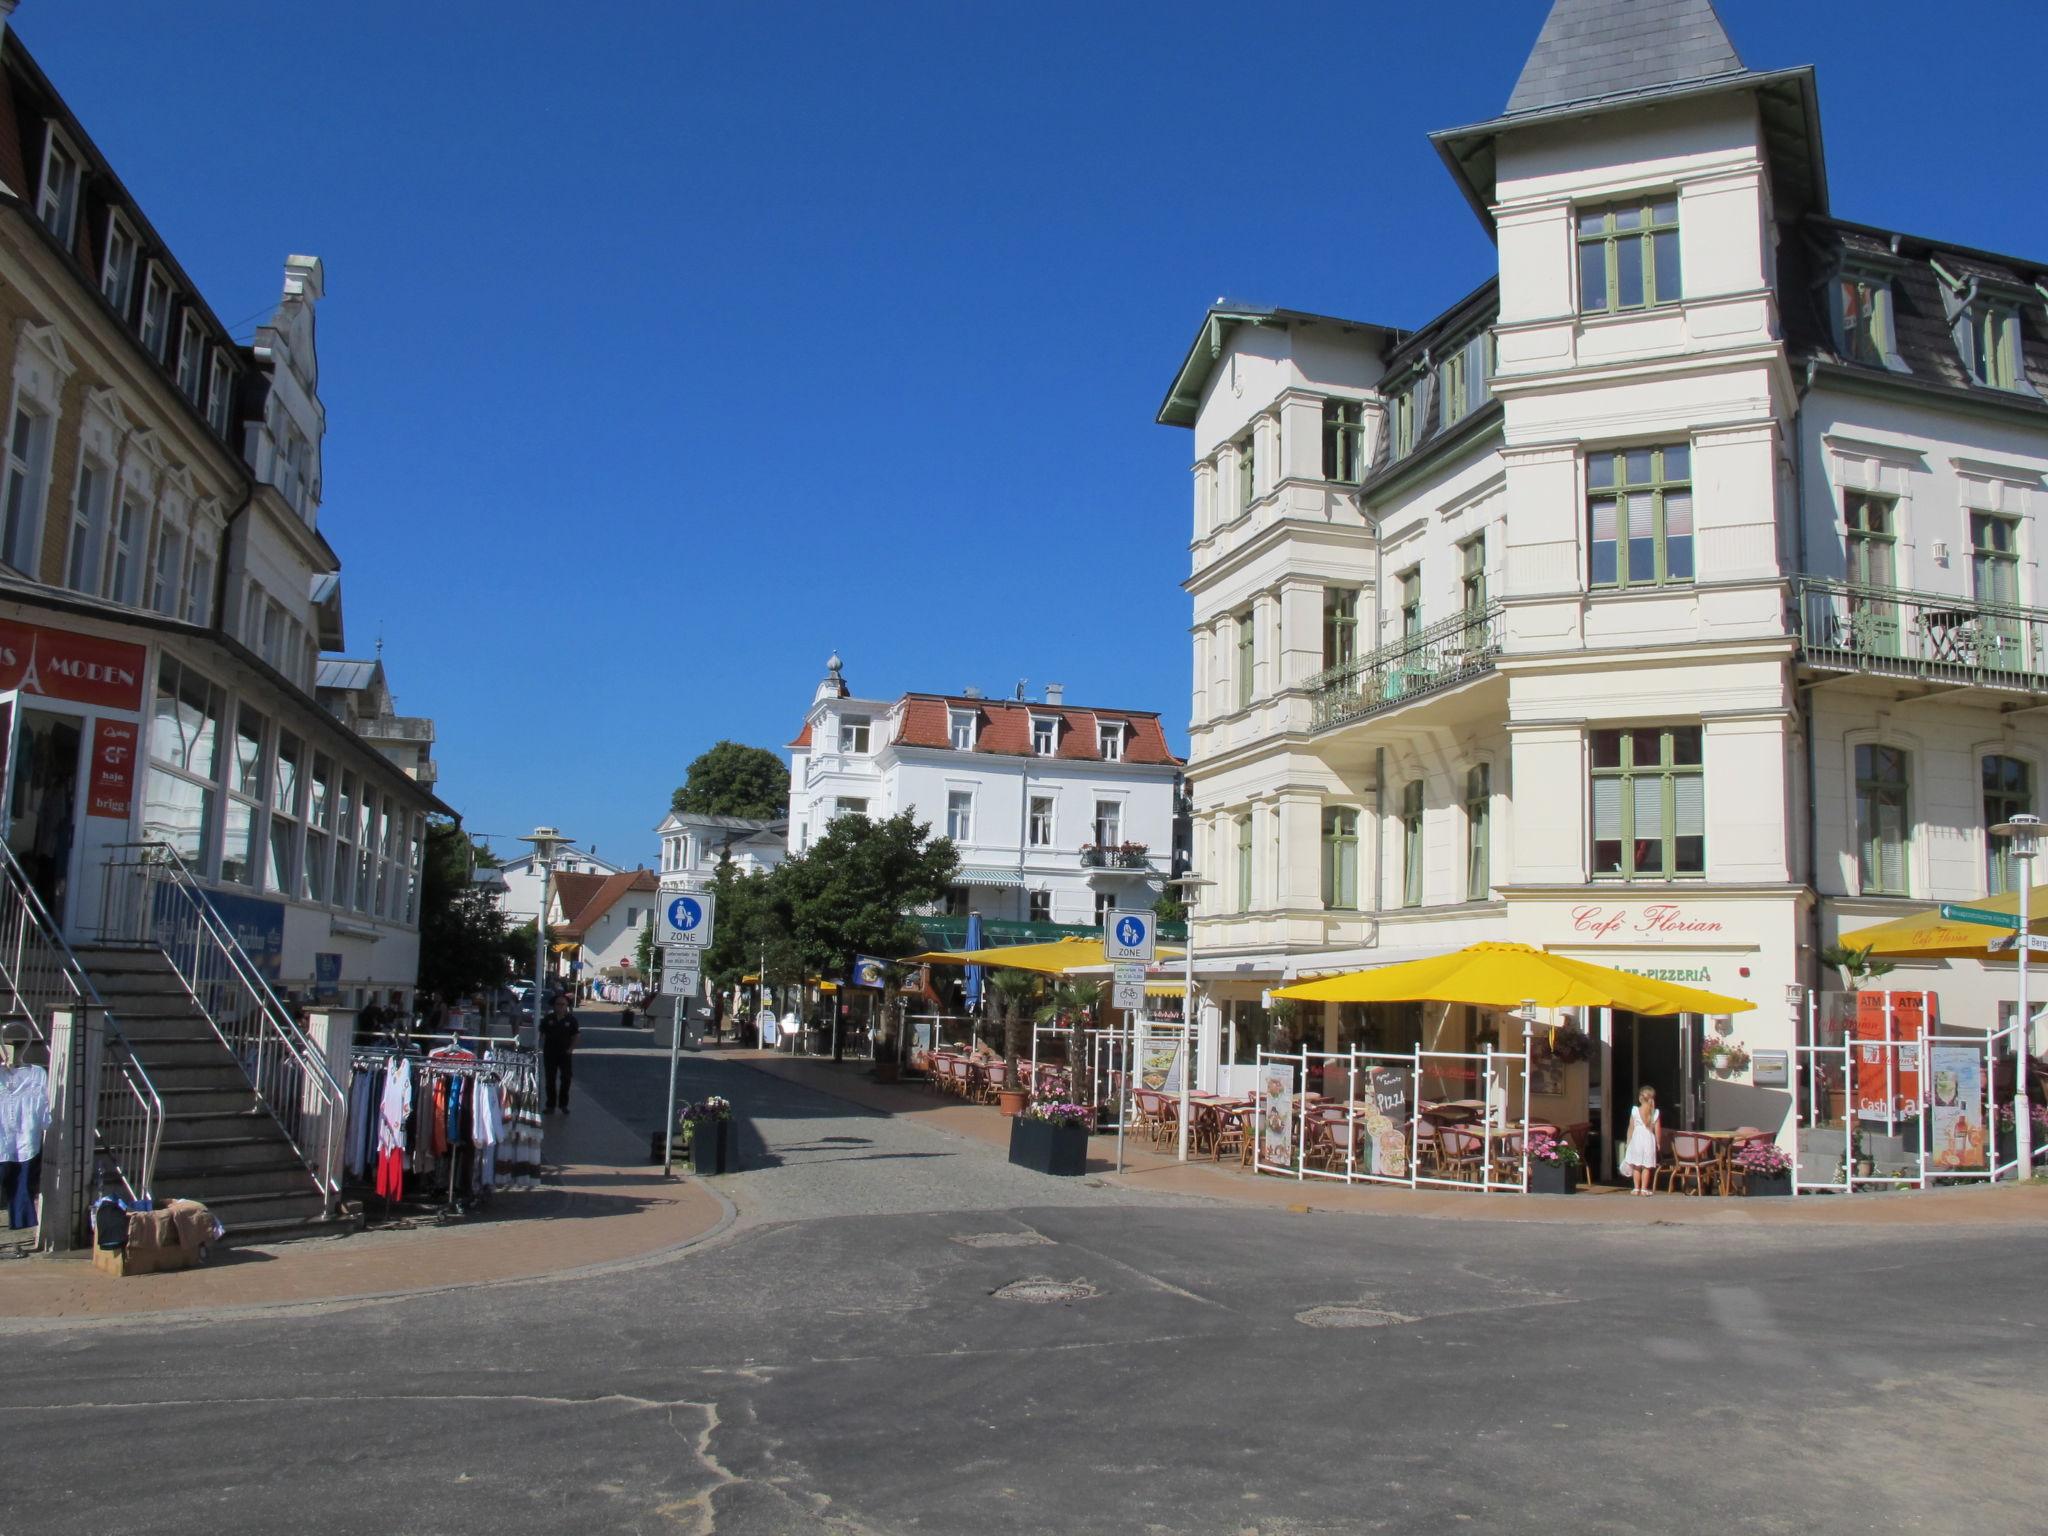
(1152, 1168)
(603, 1204)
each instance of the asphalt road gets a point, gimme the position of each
(847, 1359)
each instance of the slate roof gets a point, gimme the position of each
(1590, 50)
(341, 672)
(607, 895)
(1420, 350)
(1004, 728)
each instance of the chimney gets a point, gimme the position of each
(970, 692)
(1055, 693)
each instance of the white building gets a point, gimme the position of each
(1059, 812)
(1671, 601)
(520, 901)
(605, 924)
(692, 847)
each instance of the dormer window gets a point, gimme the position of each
(1401, 424)
(1045, 734)
(191, 357)
(156, 312)
(117, 269)
(1993, 356)
(1464, 380)
(1343, 441)
(961, 729)
(1109, 740)
(853, 735)
(220, 393)
(57, 203)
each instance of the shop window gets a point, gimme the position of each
(184, 748)
(369, 833)
(243, 840)
(1343, 441)
(1411, 844)
(315, 878)
(1479, 832)
(285, 787)
(345, 841)
(2008, 792)
(1649, 803)
(1639, 505)
(1628, 255)
(1882, 825)
(1340, 858)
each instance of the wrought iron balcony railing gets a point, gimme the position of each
(1934, 636)
(1449, 652)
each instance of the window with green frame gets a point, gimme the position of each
(1639, 504)
(1628, 255)
(1411, 844)
(1244, 863)
(1340, 858)
(1247, 656)
(1451, 396)
(1247, 471)
(1995, 345)
(1872, 539)
(1344, 441)
(1411, 603)
(1472, 574)
(1401, 424)
(1649, 803)
(1863, 319)
(1883, 829)
(2008, 792)
(1340, 626)
(1994, 558)
(1479, 832)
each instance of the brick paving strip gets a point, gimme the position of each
(603, 1206)
(1155, 1168)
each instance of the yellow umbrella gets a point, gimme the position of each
(1506, 975)
(1056, 957)
(1930, 936)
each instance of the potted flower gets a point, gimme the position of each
(1725, 1055)
(1052, 1138)
(1766, 1168)
(706, 1130)
(1554, 1164)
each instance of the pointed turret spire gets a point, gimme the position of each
(1589, 50)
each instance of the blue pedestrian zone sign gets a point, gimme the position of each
(686, 920)
(1129, 936)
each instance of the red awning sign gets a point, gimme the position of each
(57, 664)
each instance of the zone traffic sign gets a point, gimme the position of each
(1129, 936)
(687, 920)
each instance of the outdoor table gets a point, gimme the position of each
(1724, 1146)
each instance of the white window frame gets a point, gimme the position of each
(1114, 823)
(855, 732)
(119, 256)
(64, 224)
(156, 336)
(963, 729)
(1045, 734)
(220, 385)
(120, 580)
(191, 356)
(32, 473)
(82, 561)
(1111, 737)
(960, 815)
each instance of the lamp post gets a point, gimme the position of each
(2024, 833)
(1188, 885)
(545, 841)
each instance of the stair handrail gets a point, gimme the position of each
(288, 1072)
(129, 1130)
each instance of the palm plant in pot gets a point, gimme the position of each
(1070, 1000)
(1014, 993)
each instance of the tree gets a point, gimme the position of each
(852, 894)
(1170, 907)
(1015, 992)
(462, 932)
(733, 779)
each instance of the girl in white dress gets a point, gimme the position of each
(1640, 1156)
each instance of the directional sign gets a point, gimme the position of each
(686, 920)
(1978, 915)
(1129, 991)
(2036, 943)
(1129, 936)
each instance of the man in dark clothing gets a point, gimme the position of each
(558, 1032)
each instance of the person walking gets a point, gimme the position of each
(558, 1032)
(1639, 1158)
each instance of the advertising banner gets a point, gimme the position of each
(60, 665)
(1887, 1083)
(869, 972)
(258, 926)
(1159, 1065)
(112, 790)
(1958, 1140)
(326, 977)
(1384, 1097)
(1276, 1114)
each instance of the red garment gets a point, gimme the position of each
(437, 1141)
(391, 1174)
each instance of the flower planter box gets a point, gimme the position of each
(1553, 1178)
(1768, 1183)
(1041, 1146)
(712, 1148)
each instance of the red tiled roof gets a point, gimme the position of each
(803, 737)
(1004, 728)
(574, 891)
(609, 889)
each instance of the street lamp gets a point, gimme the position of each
(1188, 885)
(545, 840)
(2024, 834)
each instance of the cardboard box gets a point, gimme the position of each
(178, 1237)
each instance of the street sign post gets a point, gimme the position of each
(1978, 915)
(1129, 991)
(687, 920)
(681, 977)
(1129, 936)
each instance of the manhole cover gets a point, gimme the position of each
(1349, 1317)
(1043, 1290)
(1000, 1240)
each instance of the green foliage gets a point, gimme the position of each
(1170, 908)
(732, 779)
(643, 954)
(1015, 996)
(1855, 964)
(462, 933)
(852, 894)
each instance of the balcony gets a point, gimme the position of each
(396, 728)
(1116, 856)
(1454, 651)
(1926, 636)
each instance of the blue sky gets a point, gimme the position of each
(668, 348)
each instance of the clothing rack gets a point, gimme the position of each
(505, 1060)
